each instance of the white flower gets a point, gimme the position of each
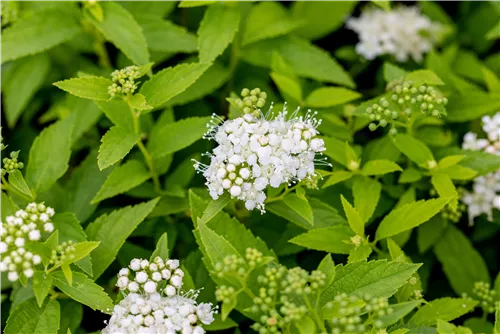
(170, 291)
(150, 287)
(402, 32)
(205, 313)
(135, 264)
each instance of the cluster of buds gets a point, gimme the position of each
(149, 308)
(144, 277)
(17, 231)
(62, 253)
(124, 81)
(487, 296)
(253, 153)
(239, 266)
(11, 164)
(448, 213)
(2, 145)
(404, 99)
(358, 315)
(252, 101)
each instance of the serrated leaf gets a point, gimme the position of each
(217, 29)
(336, 177)
(409, 216)
(112, 230)
(38, 33)
(26, 76)
(414, 149)
(161, 249)
(122, 178)
(333, 239)
(138, 102)
(444, 327)
(327, 267)
(393, 72)
(366, 193)
(84, 291)
(213, 208)
(445, 188)
(376, 278)
(49, 155)
(89, 87)
(27, 317)
(300, 206)
(173, 81)
(67, 273)
(470, 106)
(42, 283)
(120, 28)
(421, 77)
(462, 263)
(360, 253)
(380, 167)
(118, 112)
(353, 217)
(288, 85)
(398, 312)
(16, 180)
(444, 309)
(173, 137)
(115, 145)
(228, 307)
(325, 97)
(483, 163)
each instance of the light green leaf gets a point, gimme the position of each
(228, 307)
(42, 283)
(267, 20)
(213, 208)
(409, 216)
(9, 208)
(353, 217)
(327, 266)
(112, 230)
(115, 145)
(38, 33)
(300, 206)
(189, 3)
(336, 177)
(462, 263)
(444, 327)
(450, 160)
(217, 29)
(459, 172)
(26, 76)
(496, 329)
(171, 81)
(393, 72)
(360, 253)
(366, 193)
(414, 149)
(84, 291)
(173, 137)
(442, 309)
(483, 163)
(305, 325)
(492, 81)
(421, 77)
(494, 33)
(410, 175)
(27, 317)
(376, 278)
(120, 28)
(325, 97)
(16, 180)
(122, 178)
(288, 85)
(88, 87)
(49, 155)
(138, 102)
(445, 188)
(161, 249)
(380, 167)
(333, 239)
(470, 106)
(399, 311)
(81, 250)
(118, 112)
(67, 273)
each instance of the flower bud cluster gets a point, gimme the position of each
(402, 32)
(2, 145)
(486, 295)
(62, 253)
(18, 230)
(447, 212)
(353, 313)
(253, 153)
(405, 99)
(124, 81)
(252, 101)
(149, 308)
(11, 164)
(145, 277)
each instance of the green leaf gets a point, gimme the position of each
(84, 291)
(42, 283)
(305, 59)
(462, 264)
(120, 28)
(49, 155)
(494, 33)
(213, 208)
(380, 167)
(327, 267)
(393, 72)
(122, 178)
(353, 217)
(267, 20)
(16, 180)
(161, 249)
(217, 29)
(138, 102)
(27, 317)
(228, 307)
(325, 97)
(171, 81)
(442, 309)
(189, 3)
(322, 17)
(177, 181)
(288, 85)
(115, 145)
(333, 239)
(399, 311)
(9, 208)
(360, 253)
(89, 87)
(450, 160)
(410, 175)
(38, 33)
(483, 163)
(409, 216)
(112, 230)
(376, 278)
(414, 149)
(492, 81)
(300, 206)
(305, 325)
(445, 188)
(421, 77)
(444, 327)
(430, 232)
(67, 273)
(496, 329)
(366, 193)
(26, 76)
(173, 137)
(337, 177)
(470, 106)
(118, 112)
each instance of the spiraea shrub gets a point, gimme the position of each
(250, 167)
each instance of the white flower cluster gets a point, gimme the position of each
(485, 195)
(17, 230)
(402, 32)
(253, 153)
(148, 308)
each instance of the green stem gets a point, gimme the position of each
(281, 196)
(314, 315)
